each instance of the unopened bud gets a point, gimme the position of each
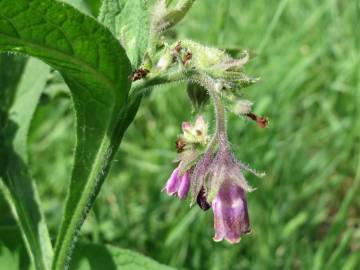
(242, 107)
(164, 17)
(165, 60)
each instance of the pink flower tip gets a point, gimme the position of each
(186, 127)
(178, 184)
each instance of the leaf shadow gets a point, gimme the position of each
(18, 182)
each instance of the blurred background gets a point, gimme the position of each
(305, 213)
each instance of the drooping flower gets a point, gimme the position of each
(231, 219)
(225, 168)
(178, 184)
(226, 188)
(215, 180)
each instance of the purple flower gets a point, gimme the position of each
(177, 183)
(223, 185)
(225, 189)
(231, 219)
(214, 178)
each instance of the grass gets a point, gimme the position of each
(304, 213)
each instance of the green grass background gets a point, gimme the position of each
(305, 213)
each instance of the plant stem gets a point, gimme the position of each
(214, 89)
(201, 78)
(178, 75)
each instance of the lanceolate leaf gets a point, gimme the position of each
(96, 68)
(18, 187)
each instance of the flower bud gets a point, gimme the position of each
(165, 60)
(197, 133)
(242, 107)
(165, 17)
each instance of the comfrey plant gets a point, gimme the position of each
(108, 64)
(207, 168)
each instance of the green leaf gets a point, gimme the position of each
(86, 255)
(13, 255)
(8, 260)
(129, 21)
(135, 27)
(17, 185)
(78, 4)
(89, 7)
(9, 77)
(96, 69)
(94, 6)
(90, 256)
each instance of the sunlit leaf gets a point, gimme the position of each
(96, 69)
(128, 20)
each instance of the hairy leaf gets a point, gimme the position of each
(128, 20)
(96, 68)
(90, 256)
(18, 187)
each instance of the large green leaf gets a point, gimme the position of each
(129, 21)
(96, 68)
(17, 185)
(86, 256)
(90, 256)
(94, 6)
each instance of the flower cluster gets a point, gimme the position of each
(214, 178)
(207, 171)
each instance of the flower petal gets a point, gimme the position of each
(200, 124)
(172, 185)
(186, 127)
(220, 231)
(184, 185)
(231, 219)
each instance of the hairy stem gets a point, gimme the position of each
(214, 89)
(201, 78)
(139, 87)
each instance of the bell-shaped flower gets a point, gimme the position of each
(231, 219)
(226, 187)
(224, 169)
